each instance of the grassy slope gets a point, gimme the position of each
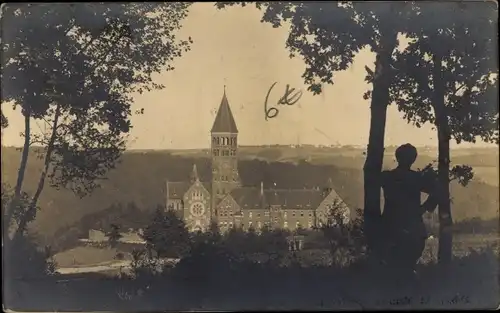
(141, 178)
(85, 255)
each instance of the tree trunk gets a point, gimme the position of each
(20, 176)
(48, 155)
(375, 150)
(445, 220)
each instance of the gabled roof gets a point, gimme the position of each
(250, 198)
(295, 198)
(177, 190)
(224, 120)
(247, 197)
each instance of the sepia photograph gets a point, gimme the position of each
(250, 156)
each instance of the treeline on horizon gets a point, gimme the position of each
(141, 177)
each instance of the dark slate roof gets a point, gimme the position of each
(247, 197)
(294, 198)
(178, 189)
(208, 187)
(250, 198)
(224, 121)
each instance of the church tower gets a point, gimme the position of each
(224, 149)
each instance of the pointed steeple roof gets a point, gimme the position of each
(224, 121)
(330, 183)
(194, 174)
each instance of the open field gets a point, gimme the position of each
(487, 174)
(85, 256)
(462, 245)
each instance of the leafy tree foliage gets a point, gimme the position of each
(5, 122)
(235, 239)
(273, 242)
(252, 239)
(345, 238)
(21, 210)
(73, 67)
(114, 235)
(213, 233)
(448, 76)
(167, 234)
(24, 259)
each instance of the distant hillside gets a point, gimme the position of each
(141, 176)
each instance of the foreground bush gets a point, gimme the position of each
(206, 280)
(25, 260)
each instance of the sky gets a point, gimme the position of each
(233, 48)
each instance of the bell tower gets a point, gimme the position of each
(224, 149)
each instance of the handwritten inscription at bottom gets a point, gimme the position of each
(425, 301)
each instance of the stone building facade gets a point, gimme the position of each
(225, 201)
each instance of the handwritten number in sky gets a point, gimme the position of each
(271, 112)
(289, 98)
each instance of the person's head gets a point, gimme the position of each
(406, 155)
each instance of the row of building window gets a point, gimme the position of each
(197, 195)
(284, 214)
(259, 224)
(226, 179)
(215, 169)
(175, 206)
(266, 214)
(224, 141)
(231, 152)
(285, 224)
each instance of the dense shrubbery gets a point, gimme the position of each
(208, 276)
(23, 258)
(468, 283)
(239, 270)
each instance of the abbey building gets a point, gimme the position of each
(225, 201)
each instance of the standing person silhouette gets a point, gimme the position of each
(402, 222)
